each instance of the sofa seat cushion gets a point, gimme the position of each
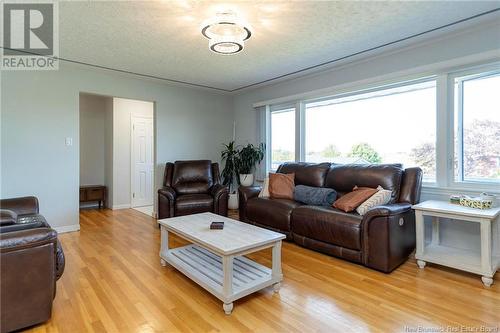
(270, 212)
(328, 225)
(193, 203)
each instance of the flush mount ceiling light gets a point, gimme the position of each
(226, 33)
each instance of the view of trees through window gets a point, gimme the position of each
(477, 129)
(396, 125)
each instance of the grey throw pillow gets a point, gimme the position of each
(317, 196)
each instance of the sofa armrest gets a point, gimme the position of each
(387, 210)
(7, 217)
(246, 193)
(166, 201)
(23, 222)
(217, 190)
(220, 194)
(388, 236)
(19, 240)
(21, 206)
(168, 192)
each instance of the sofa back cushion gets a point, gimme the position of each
(343, 178)
(306, 173)
(192, 177)
(411, 186)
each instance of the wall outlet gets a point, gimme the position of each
(68, 141)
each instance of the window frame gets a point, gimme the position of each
(461, 77)
(445, 183)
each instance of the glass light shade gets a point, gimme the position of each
(226, 34)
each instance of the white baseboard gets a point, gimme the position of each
(89, 205)
(124, 206)
(67, 228)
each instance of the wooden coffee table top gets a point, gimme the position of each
(234, 238)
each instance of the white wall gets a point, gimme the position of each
(123, 109)
(92, 139)
(40, 108)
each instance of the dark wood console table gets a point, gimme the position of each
(97, 193)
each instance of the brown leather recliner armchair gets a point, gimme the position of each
(32, 260)
(191, 187)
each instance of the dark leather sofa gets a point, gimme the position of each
(382, 239)
(191, 187)
(32, 260)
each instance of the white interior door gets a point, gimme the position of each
(142, 161)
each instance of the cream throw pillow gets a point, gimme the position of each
(264, 193)
(380, 198)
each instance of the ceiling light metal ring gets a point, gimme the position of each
(213, 47)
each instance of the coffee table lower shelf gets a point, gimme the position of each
(207, 270)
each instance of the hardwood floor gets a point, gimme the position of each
(114, 283)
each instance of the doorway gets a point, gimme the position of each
(117, 151)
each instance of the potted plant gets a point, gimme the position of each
(230, 172)
(248, 157)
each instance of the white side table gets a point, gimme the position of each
(485, 263)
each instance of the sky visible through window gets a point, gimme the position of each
(282, 137)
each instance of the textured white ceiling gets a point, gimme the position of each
(163, 38)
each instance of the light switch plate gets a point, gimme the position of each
(68, 141)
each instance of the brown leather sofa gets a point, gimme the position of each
(382, 239)
(191, 187)
(32, 260)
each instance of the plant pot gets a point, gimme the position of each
(232, 202)
(246, 179)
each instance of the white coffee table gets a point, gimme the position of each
(215, 259)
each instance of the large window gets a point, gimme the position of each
(282, 137)
(392, 125)
(448, 124)
(477, 127)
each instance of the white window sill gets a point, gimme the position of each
(468, 189)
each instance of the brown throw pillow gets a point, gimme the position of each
(281, 186)
(350, 201)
